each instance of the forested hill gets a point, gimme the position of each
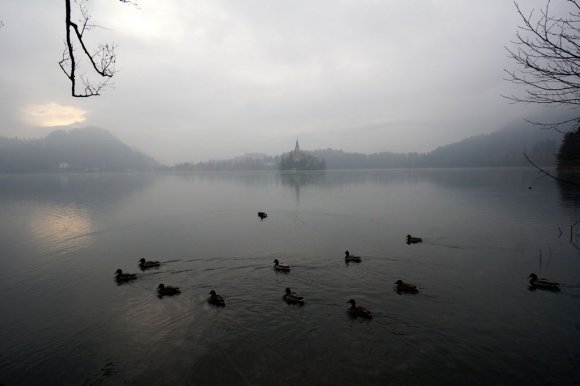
(93, 149)
(505, 147)
(502, 148)
(87, 149)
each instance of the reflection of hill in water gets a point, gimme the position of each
(98, 189)
(459, 178)
(448, 177)
(287, 178)
(59, 214)
(506, 189)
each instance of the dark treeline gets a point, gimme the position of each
(301, 161)
(240, 163)
(569, 154)
(502, 148)
(339, 159)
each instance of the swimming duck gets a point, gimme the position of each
(292, 297)
(401, 286)
(166, 290)
(351, 258)
(215, 299)
(542, 283)
(124, 277)
(413, 240)
(283, 267)
(144, 264)
(355, 310)
(262, 215)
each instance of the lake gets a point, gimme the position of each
(65, 320)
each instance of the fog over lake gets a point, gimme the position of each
(66, 321)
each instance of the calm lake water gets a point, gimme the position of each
(65, 321)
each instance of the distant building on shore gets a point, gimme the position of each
(300, 160)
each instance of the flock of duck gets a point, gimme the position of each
(289, 296)
(293, 297)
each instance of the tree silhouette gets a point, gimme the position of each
(102, 60)
(546, 51)
(569, 154)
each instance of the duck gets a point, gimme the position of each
(292, 297)
(144, 264)
(124, 277)
(401, 286)
(215, 299)
(262, 215)
(282, 267)
(355, 310)
(351, 258)
(413, 240)
(542, 283)
(167, 290)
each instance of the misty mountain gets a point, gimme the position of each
(78, 150)
(94, 149)
(502, 148)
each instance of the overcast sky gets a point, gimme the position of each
(214, 79)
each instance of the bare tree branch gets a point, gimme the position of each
(562, 127)
(546, 51)
(545, 172)
(102, 60)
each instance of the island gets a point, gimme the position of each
(300, 160)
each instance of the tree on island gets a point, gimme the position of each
(306, 162)
(546, 51)
(300, 160)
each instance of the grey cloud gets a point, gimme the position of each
(215, 79)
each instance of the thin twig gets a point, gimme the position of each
(548, 173)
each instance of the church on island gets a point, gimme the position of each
(300, 160)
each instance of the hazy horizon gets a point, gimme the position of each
(250, 152)
(215, 80)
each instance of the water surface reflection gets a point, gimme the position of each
(473, 321)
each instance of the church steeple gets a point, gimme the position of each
(297, 148)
